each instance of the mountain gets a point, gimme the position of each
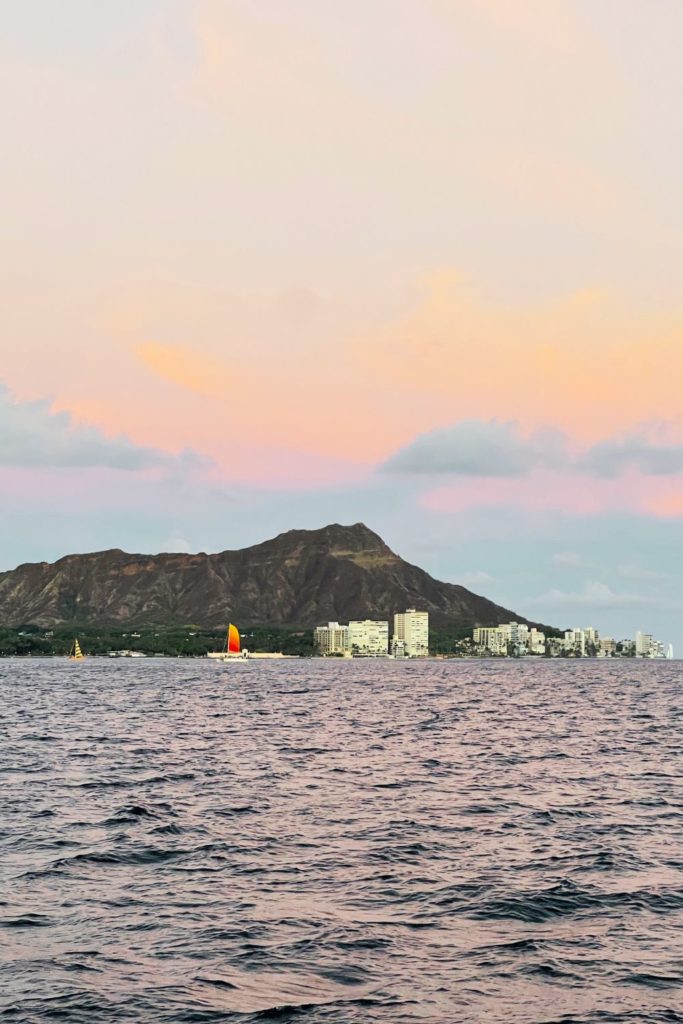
(301, 578)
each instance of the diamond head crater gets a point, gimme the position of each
(279, 589)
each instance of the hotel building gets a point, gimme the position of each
(331, 639)
(411, 629)
(368, 638)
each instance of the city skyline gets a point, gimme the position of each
(371, 637)
(258, 277)
(411, 639)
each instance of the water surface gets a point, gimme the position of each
(466, 841)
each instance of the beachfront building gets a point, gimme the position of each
(555, 646)
(412, 629)
(331, 639)
(644, 644)
(492, 639)
(509, 638)
(489, 639)
(398, 648)
(608, 647)
(536, 641)
(368, 638)
(647, 647)
(582, 643)
(575, 642)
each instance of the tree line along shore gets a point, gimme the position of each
(179, 641)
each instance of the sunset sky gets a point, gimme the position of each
(276, 263)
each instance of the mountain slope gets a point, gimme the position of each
(300, 578)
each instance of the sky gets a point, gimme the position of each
(415, 263)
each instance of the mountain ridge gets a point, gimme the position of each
(300, 578)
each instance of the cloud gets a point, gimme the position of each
(540, 25)
(31, 435)
(478, 448)
(568, 560)
(611, 457)
(183, 366)
(466, 347)
(636, 572)
(666, 506)
(475, 577)
(594, 595)
(175, 544)
(491, 448)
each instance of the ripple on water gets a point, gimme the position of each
(440, 842)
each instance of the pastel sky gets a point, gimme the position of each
(413, 262)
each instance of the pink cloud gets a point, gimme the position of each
(667, 505)
(576, 494)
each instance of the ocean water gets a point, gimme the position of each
(465, 841)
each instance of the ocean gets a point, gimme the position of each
(316, 841)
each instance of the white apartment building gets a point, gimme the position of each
(592, 637)
(647, 647)
(536, 644)
(520, 636)
(494, 639)
(368, 638)
(480, 636)
(398, 647)
(582, 643)
(412, 627)
(644, 645)
(331, 639)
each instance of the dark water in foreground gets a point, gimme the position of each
(325, 842)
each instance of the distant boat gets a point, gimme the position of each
(670, 652)
(232, 649)
(76, 654)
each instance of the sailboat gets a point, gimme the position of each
(76, 654)
(232, 648)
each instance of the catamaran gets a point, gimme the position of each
(76, 654)
(232, 648)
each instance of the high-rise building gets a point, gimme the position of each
(368, 638)
(582, 643)
(592, 640)
(412, 627)
(644, 645)
(495, 639)
(331, 639)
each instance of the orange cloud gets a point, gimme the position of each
(306, 405)
(585, 362)
(550, 26)
(668, 506)
(188, 368)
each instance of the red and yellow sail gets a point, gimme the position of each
(233, 639)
